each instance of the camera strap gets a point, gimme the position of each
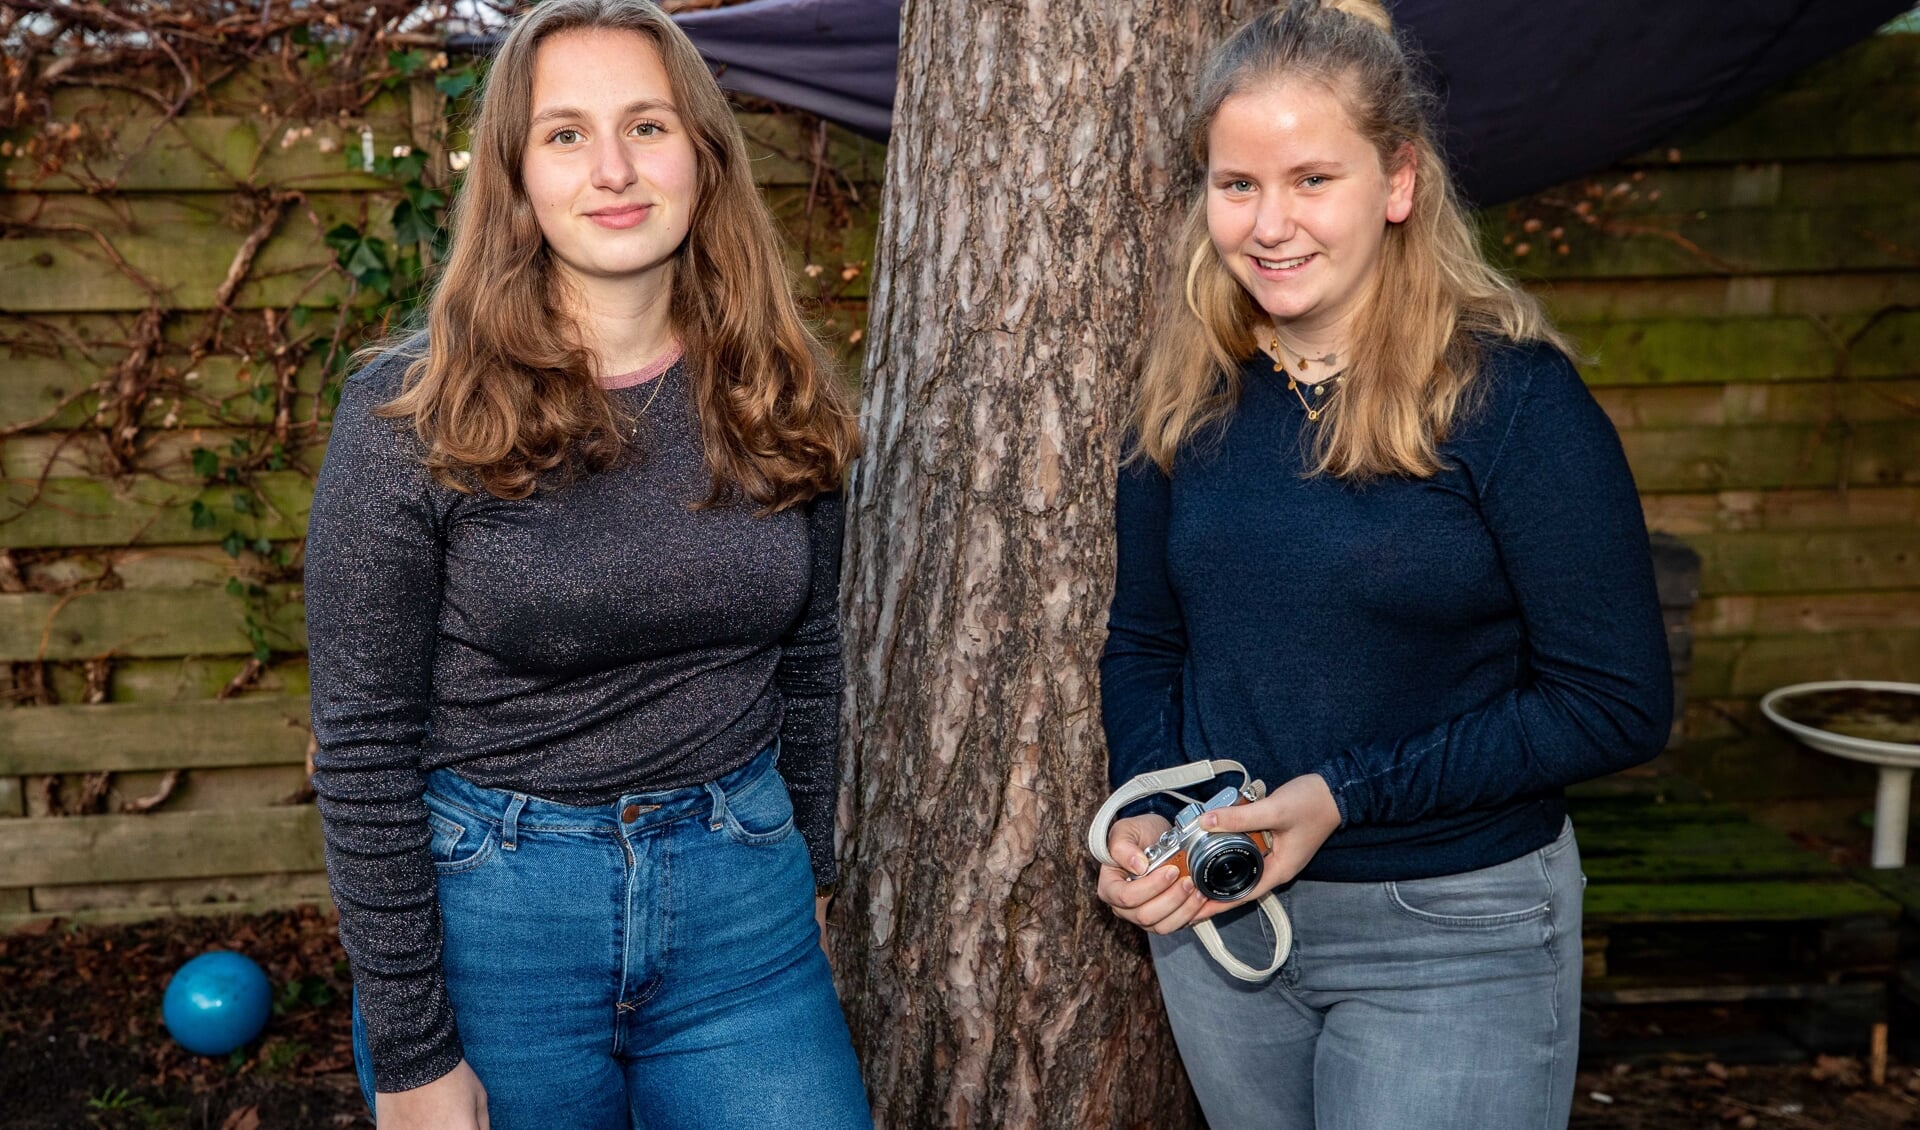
(1170, 781)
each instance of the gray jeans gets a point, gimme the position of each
(1451, 1002)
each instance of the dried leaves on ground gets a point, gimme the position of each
(82, 1043)
(1830, 1093)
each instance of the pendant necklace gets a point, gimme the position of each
(1293, 386)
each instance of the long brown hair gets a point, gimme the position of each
(506, 393)
(1412, 365)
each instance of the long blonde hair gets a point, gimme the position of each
(505, 393)
(1411, 366)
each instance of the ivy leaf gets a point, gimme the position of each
(238, 448)
(410, 225)
(262, 546)
(298, 317)
(203, 518)
(206, 465)
(234, 587)
(455, 83)
(369, 256)
(261, 393)
(343, 238)
(423, 198)
(242, 503)
(407, 62)
(233, 543)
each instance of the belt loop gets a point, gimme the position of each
(719, 806)
(510, 823)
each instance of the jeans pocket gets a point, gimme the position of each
(761, 812)
(1518, 890)
(461, 839)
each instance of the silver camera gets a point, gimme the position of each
(1224, 865)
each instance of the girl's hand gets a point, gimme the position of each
(1161, 902)
(455, 1101)
(1297, 818)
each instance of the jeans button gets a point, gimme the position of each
(630, 813)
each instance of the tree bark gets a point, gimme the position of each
(1035, 172)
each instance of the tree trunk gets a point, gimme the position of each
(1034, 174)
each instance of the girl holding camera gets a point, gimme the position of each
(1377, 542)
(571, 594)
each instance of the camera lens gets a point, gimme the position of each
(1226, 868)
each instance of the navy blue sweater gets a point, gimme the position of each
(1447, 653)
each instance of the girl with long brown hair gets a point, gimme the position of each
(1378, 544)
(571, 587)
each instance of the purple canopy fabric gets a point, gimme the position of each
(1536, 91)
(835, 58)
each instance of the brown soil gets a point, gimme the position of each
(1832, 1093)
(81, 1045)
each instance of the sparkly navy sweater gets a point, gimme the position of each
(598, 638)
(1448, 653)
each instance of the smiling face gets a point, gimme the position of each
(1298, 206)
(609, 168)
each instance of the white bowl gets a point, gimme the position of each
(1904, 755)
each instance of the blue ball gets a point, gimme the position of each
(216, 1003)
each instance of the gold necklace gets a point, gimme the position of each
(1293, 386)
(634, 432)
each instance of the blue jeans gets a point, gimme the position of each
(648, 963)
(1450, 1003)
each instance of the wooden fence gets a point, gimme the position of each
(1749, 299)
(128, 614)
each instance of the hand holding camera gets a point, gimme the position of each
(1297, 818)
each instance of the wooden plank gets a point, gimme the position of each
(1808, 124)
(41, 920)
(190, 678)
(1787, 900)
(147, 511)
(1724, 405)
(1724, 350)
(158, 567)
(782, 149)
(1727, 241)
(1874, 61)
(1885, 453)
(63, 392)
(159, 845)
(1901, 884)
(1708, 852)
(1672, 189)
(1824, 294)
(13, 801)
(218, 789)
(183, 244)
(142, 624)
(1813, 508)
(1767, 561)
(172, 895)
(163, 452)
(263, 730)
(136, 151)
(1741, 666)
(140, 152)
(1609, 815)
(1746, 615)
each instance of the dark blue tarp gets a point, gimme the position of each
(1537, 91)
